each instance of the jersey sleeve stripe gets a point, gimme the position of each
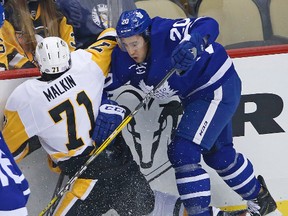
(26, 192)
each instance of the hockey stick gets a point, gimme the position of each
(106, 142)
(56, 190)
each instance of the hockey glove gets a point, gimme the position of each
(109, 118)
(185, 54)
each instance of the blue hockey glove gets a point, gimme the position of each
(185, 54)
(109, 117)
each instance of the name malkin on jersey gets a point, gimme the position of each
(59, 88)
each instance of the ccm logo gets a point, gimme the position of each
(203, 128)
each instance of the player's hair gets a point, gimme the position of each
(23, 24)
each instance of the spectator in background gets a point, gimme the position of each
(14, 188)
(90, 17)
(26, 23)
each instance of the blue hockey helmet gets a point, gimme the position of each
(133, 22)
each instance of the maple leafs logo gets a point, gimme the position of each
(162, 93)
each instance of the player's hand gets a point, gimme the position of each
(185, 54)
(109, 117)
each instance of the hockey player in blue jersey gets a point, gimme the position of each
(14, 188)
(209, 89)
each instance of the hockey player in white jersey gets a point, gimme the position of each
(65, 100)
(60, 108)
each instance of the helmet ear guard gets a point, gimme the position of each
(52, 55)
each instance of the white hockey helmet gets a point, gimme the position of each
(52, 55)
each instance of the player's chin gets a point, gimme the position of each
(138, 60)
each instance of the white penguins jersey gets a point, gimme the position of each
(61, 112)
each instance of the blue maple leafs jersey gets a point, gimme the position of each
(14, 188)
(212, 68)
